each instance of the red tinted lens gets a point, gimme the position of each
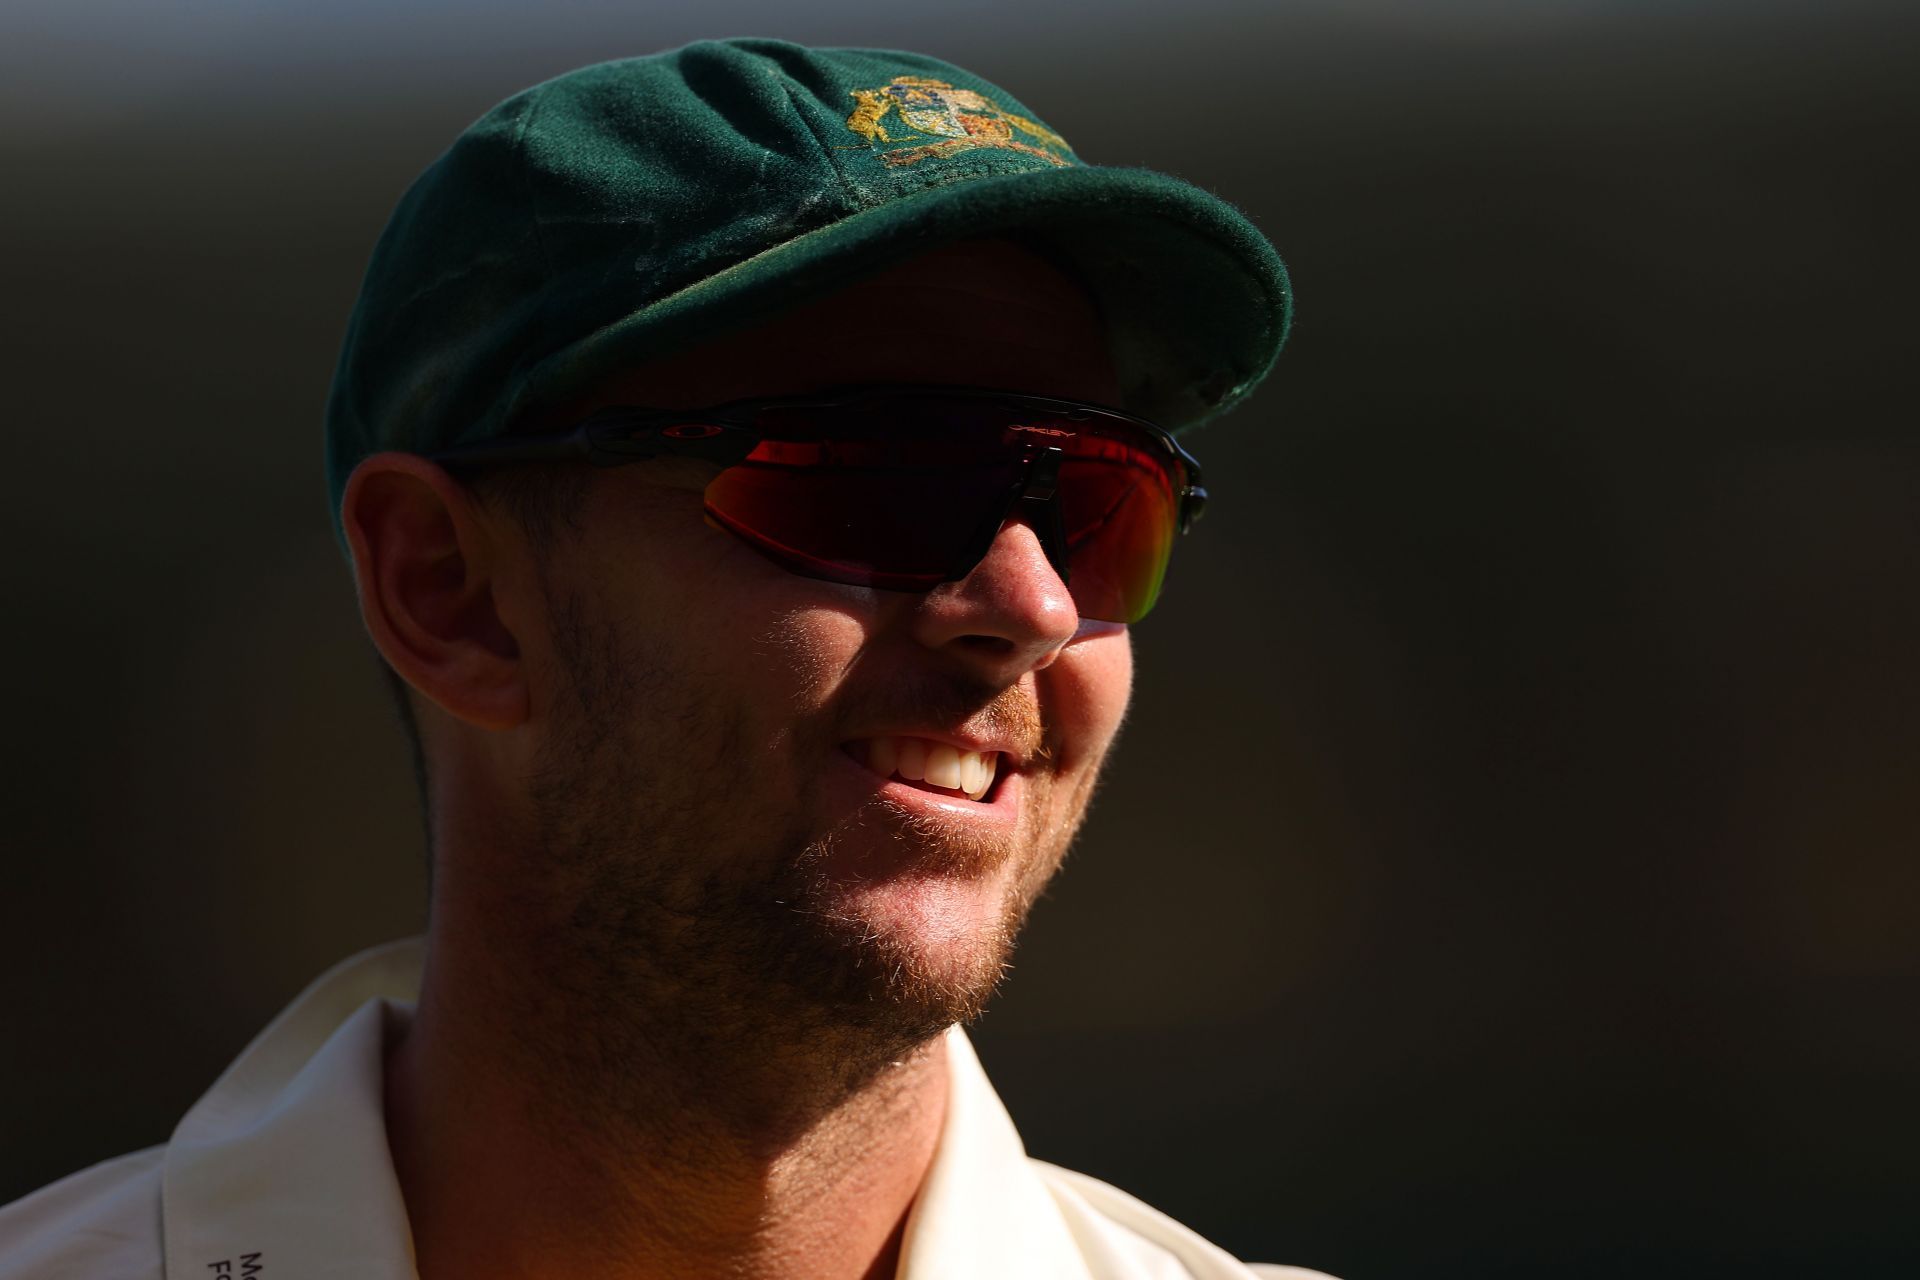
(902, 528)
(906, 493)
(1120, 512)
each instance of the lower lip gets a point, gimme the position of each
(1001, 809)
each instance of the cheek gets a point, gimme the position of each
(1086, 692)
(806, 652)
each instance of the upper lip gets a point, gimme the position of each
(1011, 755)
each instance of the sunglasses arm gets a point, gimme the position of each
(1193, 503)
(609, 439)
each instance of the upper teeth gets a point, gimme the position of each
(918, 760)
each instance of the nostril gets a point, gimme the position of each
(999, 646)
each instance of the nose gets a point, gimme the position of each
(1011, 614)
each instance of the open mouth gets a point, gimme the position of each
(936, 767)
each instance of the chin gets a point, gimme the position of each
(912, 917)
(915, 954)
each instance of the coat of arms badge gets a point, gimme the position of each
(962, 119)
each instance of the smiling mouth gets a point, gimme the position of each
(934, 767)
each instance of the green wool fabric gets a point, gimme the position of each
(630, 209)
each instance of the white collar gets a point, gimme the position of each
(284, 1162)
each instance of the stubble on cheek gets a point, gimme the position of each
(685, 902)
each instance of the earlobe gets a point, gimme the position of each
(426, 571)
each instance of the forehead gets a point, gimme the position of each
(987, 313)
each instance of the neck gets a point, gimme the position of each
(534, 1134)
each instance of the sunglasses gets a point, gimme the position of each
(905, 488)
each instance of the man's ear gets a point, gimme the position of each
(425, 566)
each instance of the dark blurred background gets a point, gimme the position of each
(1509, 869)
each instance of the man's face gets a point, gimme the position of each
(706, 820)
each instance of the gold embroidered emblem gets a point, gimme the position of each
(934, 108)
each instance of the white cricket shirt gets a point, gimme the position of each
(281, 1171)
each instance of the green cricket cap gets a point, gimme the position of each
(629, 209)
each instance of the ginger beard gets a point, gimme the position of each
(699, 905)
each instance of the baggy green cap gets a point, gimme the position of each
(626, 210)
